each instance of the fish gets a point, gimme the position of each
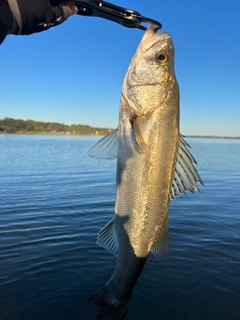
(154, 166)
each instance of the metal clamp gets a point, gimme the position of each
(126, 17)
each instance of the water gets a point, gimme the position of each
(53, 201)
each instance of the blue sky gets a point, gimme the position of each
(73, 73)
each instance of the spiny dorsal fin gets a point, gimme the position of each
(107, 147)
(185, 175)
(107, 238)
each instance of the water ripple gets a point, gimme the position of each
(54, 200)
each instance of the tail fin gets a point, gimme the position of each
(100, 306)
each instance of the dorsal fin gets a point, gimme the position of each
(185, 176)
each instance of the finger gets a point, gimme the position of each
(72, 8)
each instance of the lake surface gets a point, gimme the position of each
(53, 201)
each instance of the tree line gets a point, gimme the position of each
(9, 125)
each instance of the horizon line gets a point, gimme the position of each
(187, 135)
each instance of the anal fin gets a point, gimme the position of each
(107, 238)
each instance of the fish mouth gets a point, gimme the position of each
(152, 30)
(152, 37)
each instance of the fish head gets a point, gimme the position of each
(151, 78)
(154, 57)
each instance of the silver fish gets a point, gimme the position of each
(153, 167)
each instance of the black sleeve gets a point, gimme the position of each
(40, 15)
(30, 16)
(6, 19)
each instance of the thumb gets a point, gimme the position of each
(69, 9)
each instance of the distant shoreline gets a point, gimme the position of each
(18, 126)
(212, 137)
(95, 135)
(53, 134)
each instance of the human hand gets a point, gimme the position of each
(31, 16)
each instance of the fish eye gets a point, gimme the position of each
(162, 57)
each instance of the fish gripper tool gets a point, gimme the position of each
(126, 17)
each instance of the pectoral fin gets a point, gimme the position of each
(138, 135)
(107, 147)
(185, 176)
(135, 120)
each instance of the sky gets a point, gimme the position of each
(73, 73)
